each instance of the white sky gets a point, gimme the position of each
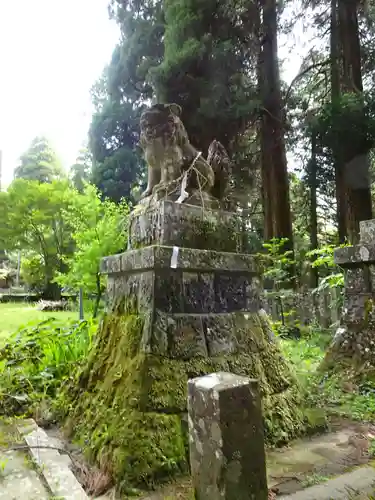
(51, 52)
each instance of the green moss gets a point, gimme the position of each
(209, 232)
(124, 407)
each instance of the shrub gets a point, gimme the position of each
(37, 359)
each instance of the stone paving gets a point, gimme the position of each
(347, 486)
(18, 478)
(329, 454)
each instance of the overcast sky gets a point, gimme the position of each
(51, 52)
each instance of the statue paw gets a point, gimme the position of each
(146, 193)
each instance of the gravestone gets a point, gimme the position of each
(183, 301)
(226, 438)
(354, 341)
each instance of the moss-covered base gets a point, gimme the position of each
(124, 406)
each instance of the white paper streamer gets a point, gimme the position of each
(183, 193)
(174, 258)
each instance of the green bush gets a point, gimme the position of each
(37, 359)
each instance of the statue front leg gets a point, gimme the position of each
(153, 178)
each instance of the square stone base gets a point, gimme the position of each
(170, 223)
(184, 281)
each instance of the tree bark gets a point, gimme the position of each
(314, 275)
(99, 292)
(356, 160)
(335, 96)
(52, 291)
(273, 128)
(265, 160)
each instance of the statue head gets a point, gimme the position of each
(160, 120)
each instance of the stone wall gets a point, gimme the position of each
(319, 308)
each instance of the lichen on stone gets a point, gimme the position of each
(125, 406)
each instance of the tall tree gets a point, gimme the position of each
(120, 95)
(278, 221)
(39, 162)
(81, 172)
(355, 152)
(208, 67)
(339, 165)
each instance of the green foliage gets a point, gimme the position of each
(99, 229)
(38, 358)
(33, 220)
(32, 272)
(119, 97)
(277, 261)
(39, 163)
(348, 120)
(17, 315)
(314, 479)
(114, 134)
(80, 173)
(337, 393)
(206, 68)
(277, 265)
(323, 258)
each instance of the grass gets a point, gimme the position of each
(14, 316)
(338, 393)
(36, 360)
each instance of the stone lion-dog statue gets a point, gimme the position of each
(169, 154)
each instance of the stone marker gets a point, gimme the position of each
(226, 438)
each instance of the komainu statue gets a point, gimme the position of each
(170, 157)
(221, 164)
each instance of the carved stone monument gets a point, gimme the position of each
(183, 301)
(354, 342)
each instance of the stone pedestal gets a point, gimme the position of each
(355, 339)
(169, 223)
(183, 302)
(194, 301)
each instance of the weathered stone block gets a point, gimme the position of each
(371, 273)
(221, 334)
(226, 438)
(367, 231)
(187, 338)
(198, 292)
(199, 282)
(355, 280)
(160, 257)
(168, 290)
(355, 255)
(200, 335)
(356, 307)
(170, 223)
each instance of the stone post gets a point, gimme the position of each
(354, 341)
(227, 455)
